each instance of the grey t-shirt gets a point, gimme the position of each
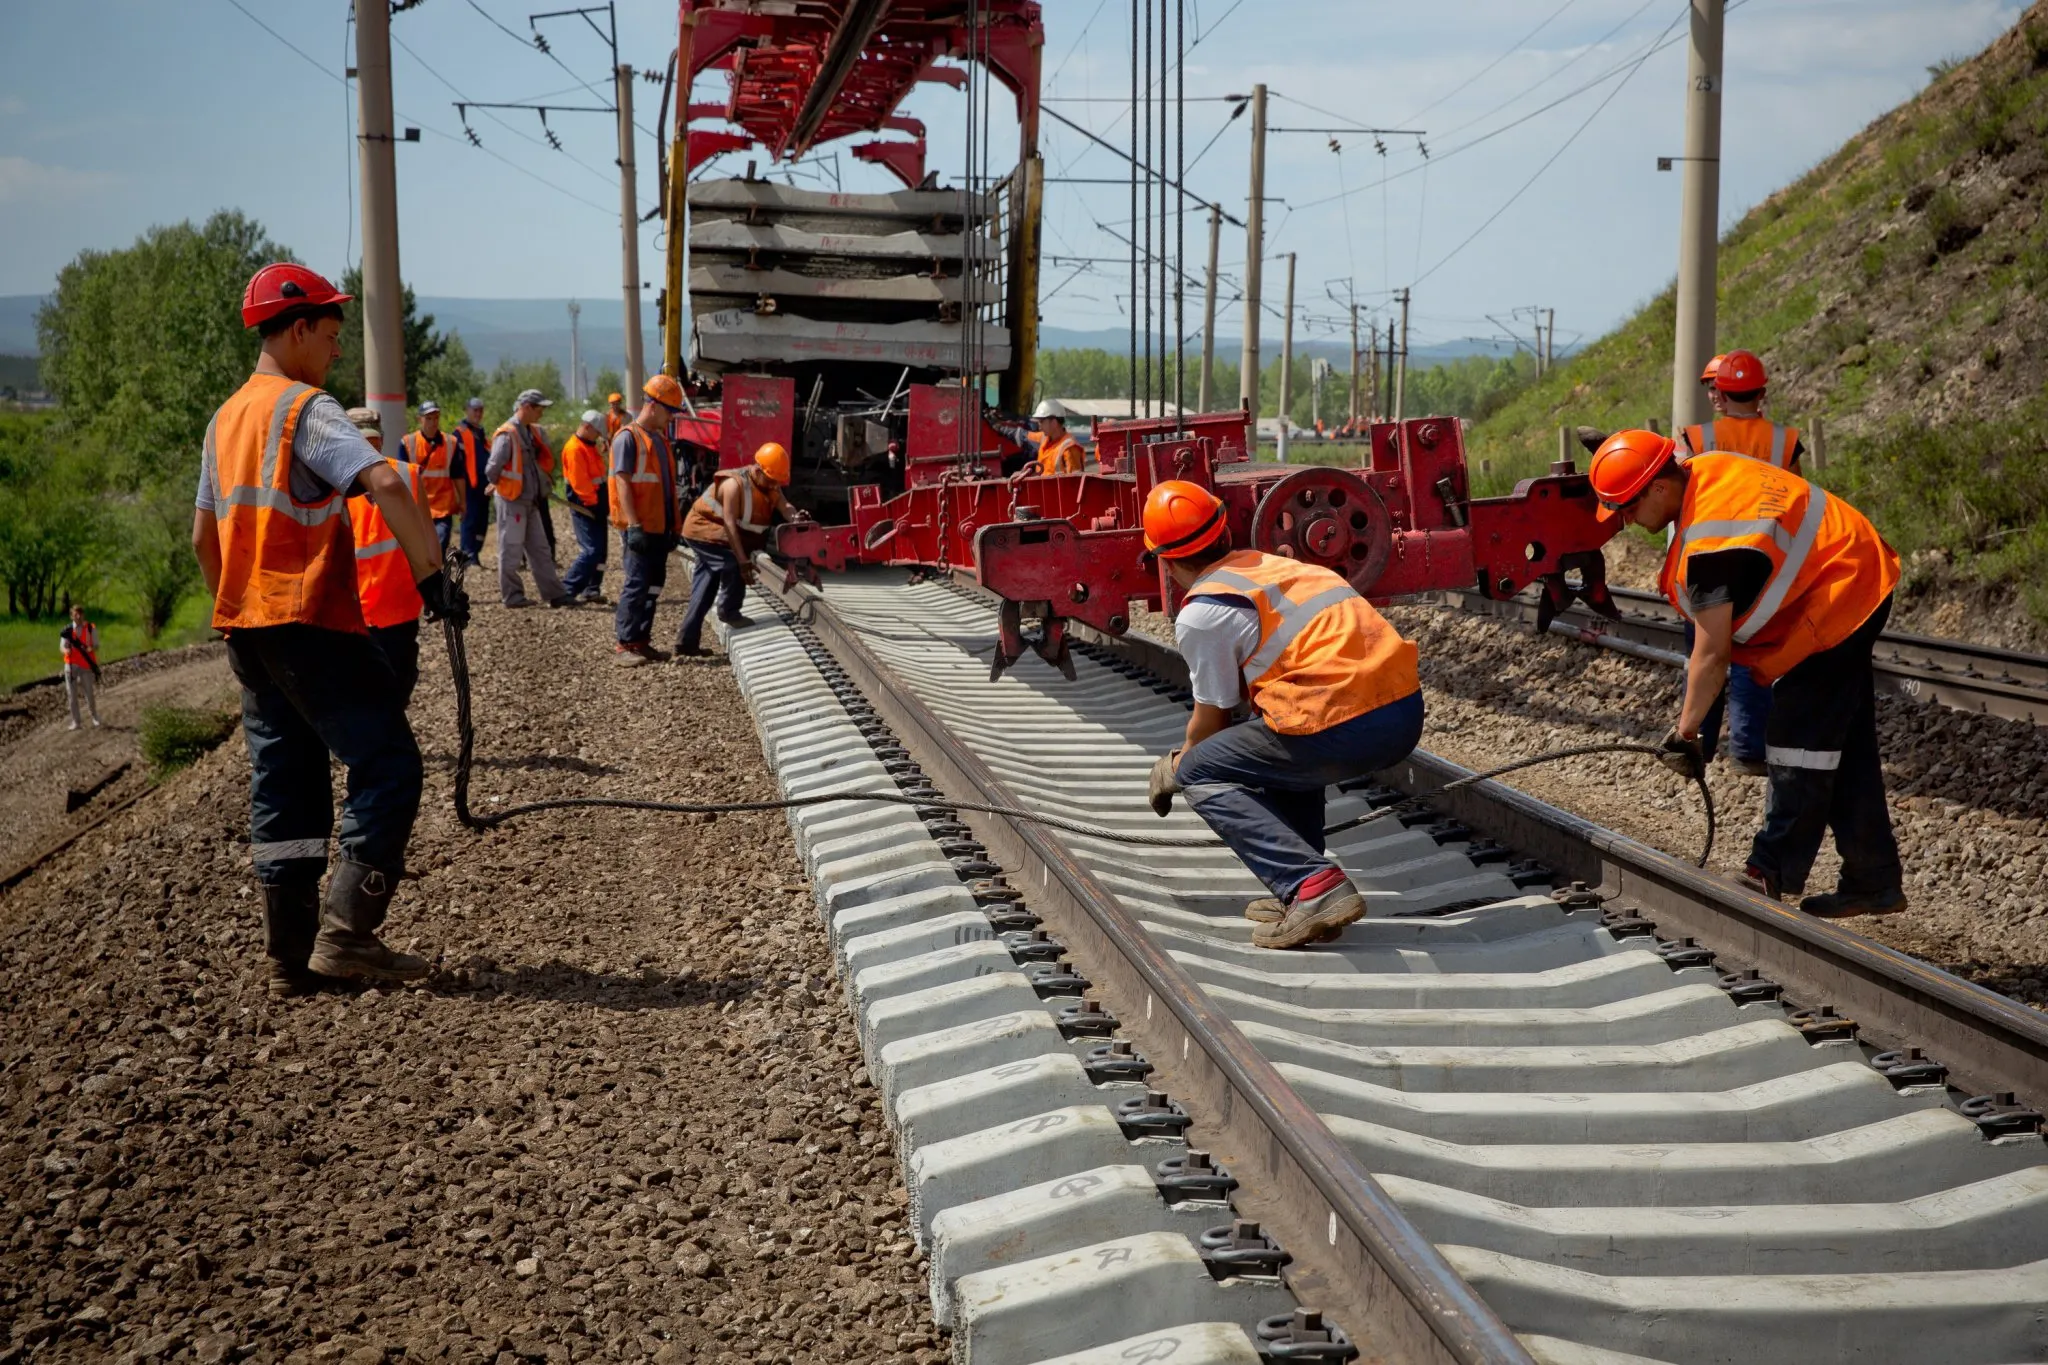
(328, 454)
(1216, 636)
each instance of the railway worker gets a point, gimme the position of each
(616, 416)
(79, 644)
(518, 473)
(428, 450)
(726, 524)
(472, 452)
(1714, 398)
(1334, 692)
(391, 601)
(1058, 453)
(643, 502)
(271, 531)
(1739, 426)
(1777, 574)
(584, 468)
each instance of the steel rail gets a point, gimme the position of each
(1357, 1256)
(1982, 679)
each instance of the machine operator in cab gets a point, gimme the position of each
(1334, 693)
(1781, 576)
(272, 534)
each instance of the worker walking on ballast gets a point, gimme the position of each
(726, 524)
(272, 535)
(1334, 689)
(1778, 575)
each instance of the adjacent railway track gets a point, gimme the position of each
(1954, 673)
(1649, 1115)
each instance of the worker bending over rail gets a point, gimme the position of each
(727, 523)
(272, 535)
(1334, 690)
(1781, 576)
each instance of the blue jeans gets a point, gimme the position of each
(476, 514)
(586, 574)
(717, 575)
(1747, 705)
(646, 575)
(308, 693)
(1262, 792)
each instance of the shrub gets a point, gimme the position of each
(175, 737)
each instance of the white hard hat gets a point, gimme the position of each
(1049, 408)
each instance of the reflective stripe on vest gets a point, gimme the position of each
(512, 479)
(650, 484)
(1747, 436)
(747, 520)
(283, 562)
(383, 574)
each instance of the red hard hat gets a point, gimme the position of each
(1181, 518)
(284, 285)
(1713, 368)
(1740, 372)
(1626, 462)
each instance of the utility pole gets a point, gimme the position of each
(1372, 392)
(1254, 253)
(1550, 340)
(1352, 423)
(1209, 313)
(575, 352)
(1287, 360)
(1401, 377)
(629, 228)
(1542, 362)
(383, 331)
(1699, 212)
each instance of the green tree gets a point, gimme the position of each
(52, 530)
(423, 344)
(141, 345)
(607, 382)
(155, 559)
(450, 379)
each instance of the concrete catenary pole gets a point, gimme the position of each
(1401, 375)
(1209, 313)
(629, 230)
(575, 352)
(1352, 419)
(1550, 340)
(1699, 213)
(1254, 252)
(383, 293)
(1372, 393)
(1287, 360)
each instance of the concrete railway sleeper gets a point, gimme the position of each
(1567, 1138)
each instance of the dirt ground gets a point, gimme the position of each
(625, 1118)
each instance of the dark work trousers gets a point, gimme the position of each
(717, 575)
(1745, 702)
(646, 576)
(1826, 772)
(476, 515)
(400, 646)
(308, 693)
(443, 528)
(1262, 792)
(586, 575)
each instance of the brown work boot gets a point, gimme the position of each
(1313, 919)
(1266, 910)
(291, 920)
(348, 946)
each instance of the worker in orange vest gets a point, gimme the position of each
(1739, 426)
(1334, 695)
(472, 452)
(79, 643)
(727, 523)
(1781, 576)
(518, 475)
(391, 601)
(271, 531)
(1058, 453)
(428, 450)
(616, 416)
(643, 493)
(585, 468)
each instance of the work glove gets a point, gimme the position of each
(1683, 756)
(638, 541)
(1164, 784)
(444, 601)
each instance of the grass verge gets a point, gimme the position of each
(175, 737)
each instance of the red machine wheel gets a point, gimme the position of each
(1329, 517)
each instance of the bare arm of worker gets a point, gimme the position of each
(729, 512)
(1706, 672)
(206, 546)
(415, 533)
(1206, 721)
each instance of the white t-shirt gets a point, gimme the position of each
(1216, 636)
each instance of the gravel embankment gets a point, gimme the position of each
(1969, 794)
(625, 1119)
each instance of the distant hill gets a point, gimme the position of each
(18, 323)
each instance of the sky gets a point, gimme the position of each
(187, 107)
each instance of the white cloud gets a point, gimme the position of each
(23, 181)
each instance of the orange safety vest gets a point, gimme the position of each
(513, 478)
(758, 506)
(1757, 437)
(474, 456)
(1065, 458)
(1325, 655)
(583, 464)
(383, 573)
(1829, 567)
(282, 561)
(650, 485)
(80, 644)
(432, 461)
(613, 421)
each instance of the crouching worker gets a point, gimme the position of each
(1334, 694)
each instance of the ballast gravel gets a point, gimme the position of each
(625, 1119)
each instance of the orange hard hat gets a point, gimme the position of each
(664, 390)
(773, 460)
(1181, 518)
(1713, 368)
(284, 285)
(616, 398)
(1740, 372)
(1626, 462)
